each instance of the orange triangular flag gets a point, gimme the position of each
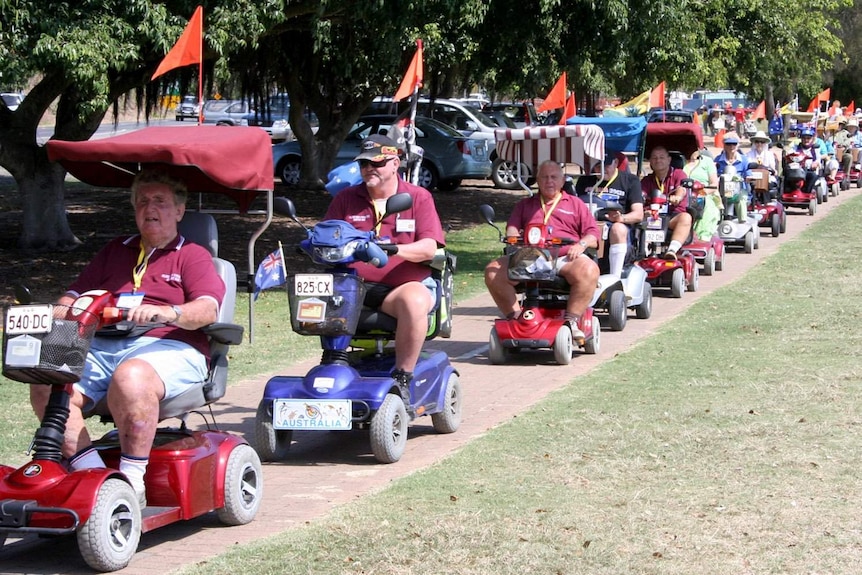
(760, 111)
(571, 110)
(556, 98)
(813, 105)
(850, 108)
(188, 49)
(414, 76)
(656, 96)
(824, 95)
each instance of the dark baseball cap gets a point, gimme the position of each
(377, 148)
(610, 156)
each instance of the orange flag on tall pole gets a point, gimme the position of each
(413, 78)
(813, 105)
(656, 96)
(556, 98)
(850, 108)
(188, 49)
(824, 95)
(571, 110)
(760, 111)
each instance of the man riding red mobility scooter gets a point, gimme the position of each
(190, 472)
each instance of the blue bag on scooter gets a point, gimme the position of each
(336, 241)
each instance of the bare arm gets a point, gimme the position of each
(418, 251)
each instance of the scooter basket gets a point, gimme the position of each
(531, 264)
(333, 315)
(55, 357)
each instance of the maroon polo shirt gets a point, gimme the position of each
(571, 218)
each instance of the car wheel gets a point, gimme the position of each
(448, 185)
(505, 174)
(289, 169)
(428, 176)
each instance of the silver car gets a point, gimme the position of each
(225, 112)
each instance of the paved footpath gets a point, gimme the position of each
(329, 469)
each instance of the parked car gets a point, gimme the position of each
(677, 116)
(12, 100)
(225, 112)
(449, 156)
(189, 107)
(523, 114)
(275, 119)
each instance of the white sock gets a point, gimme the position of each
(134, 469)
(674, 246)
(616, 258)
(88, 458)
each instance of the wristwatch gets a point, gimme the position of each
(177, 310)
(582, 243)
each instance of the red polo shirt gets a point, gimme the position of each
(179, 273)
(355, 206)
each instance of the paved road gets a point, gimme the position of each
(326, 470)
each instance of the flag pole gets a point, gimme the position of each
(201, 70)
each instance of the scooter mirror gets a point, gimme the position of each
(23, 295)
(487, 213)
(284, 207)
(398, 203)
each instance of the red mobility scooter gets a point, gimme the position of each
(191, 471)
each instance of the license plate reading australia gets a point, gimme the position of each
(312, 414)
(313, 285)
(29, 319)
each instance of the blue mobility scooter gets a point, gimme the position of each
(352, 387)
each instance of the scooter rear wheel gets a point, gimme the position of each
(110, 537)
(243, 486)
(389, 430)
(617, 310)
(709, 262)
(449, 419)
(271, 444)
(644, 308)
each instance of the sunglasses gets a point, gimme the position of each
(367, 163)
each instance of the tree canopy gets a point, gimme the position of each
(334, 56)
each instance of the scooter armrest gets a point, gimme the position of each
(227, 333)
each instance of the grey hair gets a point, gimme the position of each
(154, 176)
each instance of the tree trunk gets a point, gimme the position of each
(44, 226)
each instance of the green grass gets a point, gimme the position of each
(727, 443)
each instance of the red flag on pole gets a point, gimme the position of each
(571, 110)
(760, 111)
(824, 95)
(556, 98)
(189, 47)
(850, 108)
(414, 76)
(656, 96)
(813, 105)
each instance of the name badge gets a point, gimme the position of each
(404, 225)
(130, 300)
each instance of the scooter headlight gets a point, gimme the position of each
(335, 254)
(726, 228)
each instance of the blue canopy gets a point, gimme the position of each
(621, 134)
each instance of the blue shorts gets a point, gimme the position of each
(179, 365)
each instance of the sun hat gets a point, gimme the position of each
(760, 136)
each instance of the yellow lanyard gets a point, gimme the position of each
(378, 216)
(550, 211)
(141, 267)
(660, 184)
(611, 181)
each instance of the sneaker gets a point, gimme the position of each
(403, 378)
(577, 334)
(670, 255)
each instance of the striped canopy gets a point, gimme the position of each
(583, 145)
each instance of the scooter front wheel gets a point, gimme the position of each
(496, 352)
(389, 430)
(271, 444)
(243, 486)
(110, 537)
(563, 346)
